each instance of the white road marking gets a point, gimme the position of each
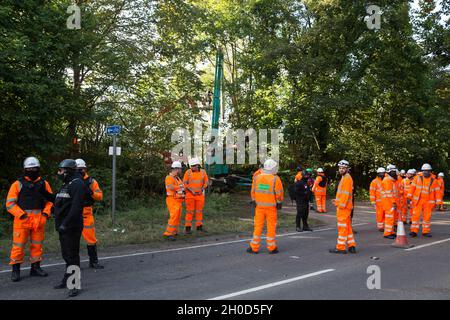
(304, 237)
(179, 249)
(428, 244)
(271, 285)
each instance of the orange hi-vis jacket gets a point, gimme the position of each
(196, 181)
(441, 184)
(298, 176)
(389, 193)
(317, 189)
(257, 173)
(13, 201)
(344, 193)
(375, 190)
(406, 183)
(425, 189)
(267, 190)
(97, 194)
(174, 187)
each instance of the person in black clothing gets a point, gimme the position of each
(68, 206)
(302, 196)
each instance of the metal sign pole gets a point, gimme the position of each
(113, 209)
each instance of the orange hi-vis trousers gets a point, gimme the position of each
(380, 215)
(321, 203)
(33, 228)
(89, 229)
(345, 231)
(175, 206)
(423, 208)
(261, 215)
(389, 221)
(194, 205)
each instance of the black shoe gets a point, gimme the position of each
(428, 235)
(188, 230)
(93, 258)
(381, 230)
(63, 283)
(352, 250)
(250, 250)
(170, 238)
(338, 251)
(412, 234)
(274, 251)
(200, 228)
(355, 232)
(298, 229)
(74, 292)
(36, 270)
(307, 229)
(15, 275)
(391, 236)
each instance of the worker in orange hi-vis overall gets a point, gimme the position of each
(26, 202)
(406, 184)
(94, 194)
(400, 200)
(375, 197)
(267, 197)
(441, 184)
(344, 205)
(195, 182)
(174, 200)
(320, 191)
(390, 200)
(424, 192)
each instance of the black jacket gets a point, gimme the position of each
(302, 191)
(69, 203)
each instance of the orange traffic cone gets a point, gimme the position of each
(401, 241)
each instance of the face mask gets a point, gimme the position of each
(381, 176)
(33, 175)
(426, 174)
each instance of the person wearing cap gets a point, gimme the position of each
(94, 194)
(69, 203)
(344, 205)
(424, 192)
(195, 182)
(31, 211)
(320, 191)
(441, 182)
(174, 200)
(390, 199)
(267, 197)
(375, 197)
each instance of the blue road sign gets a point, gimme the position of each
(113, 130)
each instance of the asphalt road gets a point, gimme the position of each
(221, 269)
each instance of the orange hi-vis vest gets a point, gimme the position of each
(298, 177)
(174, 187)
(406, 183)
(317, 189)
(389, 192)
(344, 193)
(375, 190)
(267, 190)
(196, 181)
(425, 189)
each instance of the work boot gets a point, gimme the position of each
(63, 283)
(36, 270)
(381, 230)
(74, 292)
(93, 258)
(391, 236)
(188, 230)
(428, 235)
(298, 229)
(200, 228)
(15, 276)
(338, 251)
(274, 251)
(171, 238)
(307, 228)
(352, 250)
(250, 250)
(412, 234)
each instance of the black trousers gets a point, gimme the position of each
(70, 246)
(302, 214)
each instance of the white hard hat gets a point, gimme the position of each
(402, 171)
(81, 164)
(441, 174)
(31, 162)
(343, 163)
(391, 168)
(270, 166)
(411, 171)
(176, 165)
(426, 166)
(320, 170)
(381, 170)
(414, 171)
(194, 161)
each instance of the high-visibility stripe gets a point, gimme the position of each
(265, 204)
(89, 227)
(11, 200)
(36, 211)
(11, 206)
(37, 242)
